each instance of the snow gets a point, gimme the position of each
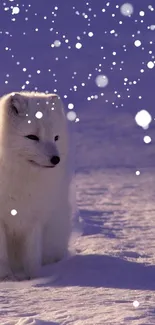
(111, 266)
(30, 321)
(109, 275)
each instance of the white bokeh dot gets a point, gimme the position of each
(143, 118)
(13, 212)
(142, 13)
(70, 106)
(147, 139)
(152, 27)
(78, 45)
(57, 43)
(71, 116)
(126, 9)
(137, 43)
(15, 10)
(101, 81)
(135, 303)
(39, 115)
(150, 65)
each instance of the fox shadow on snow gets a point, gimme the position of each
(101, 270)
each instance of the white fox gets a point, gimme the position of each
(35, 211)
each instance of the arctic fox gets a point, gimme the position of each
(35, 211)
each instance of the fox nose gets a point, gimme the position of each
(55, 160)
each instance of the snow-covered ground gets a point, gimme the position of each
(109, 277)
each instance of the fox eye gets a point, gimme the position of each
(56, 138)
(32, 137)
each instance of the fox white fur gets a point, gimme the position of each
(38, 191)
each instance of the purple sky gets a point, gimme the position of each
(72, 72)
(70, 21)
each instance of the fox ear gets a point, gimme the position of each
(57, 103)
(18, 104)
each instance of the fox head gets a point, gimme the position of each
(33, 128)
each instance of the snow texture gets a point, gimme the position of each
(114, 262)
(109, 276)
